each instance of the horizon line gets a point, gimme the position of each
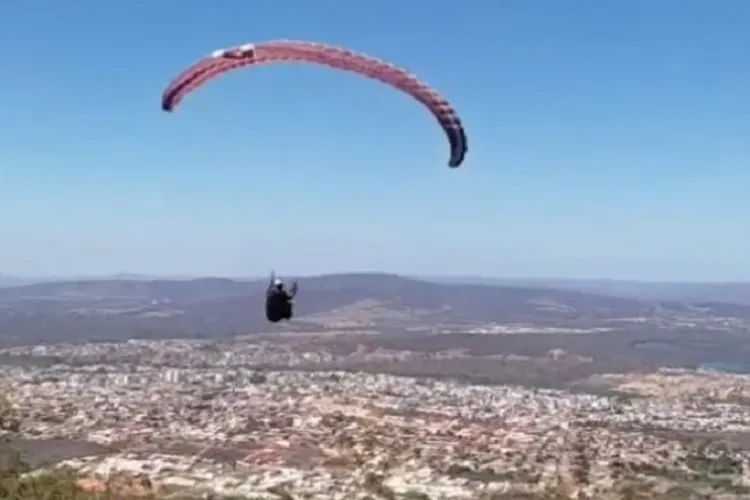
(134, 276)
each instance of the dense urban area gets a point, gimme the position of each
(362, 410)
(191, 415)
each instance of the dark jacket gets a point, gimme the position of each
(278, 304)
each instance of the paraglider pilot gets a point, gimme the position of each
(279, 300)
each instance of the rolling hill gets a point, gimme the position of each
(733, 292)
(115, 309)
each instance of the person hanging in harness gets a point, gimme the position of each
(279, 300)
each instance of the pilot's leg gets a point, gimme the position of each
(288, 312)
(272, 314)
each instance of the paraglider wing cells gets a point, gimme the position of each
(285, 51)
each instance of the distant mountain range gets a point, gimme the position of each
(7, 280)
(115, 309)
(732, 292)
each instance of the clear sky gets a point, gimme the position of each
(607, 139)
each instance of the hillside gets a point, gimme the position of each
(126, 308)
(726, 292)
(734, 292)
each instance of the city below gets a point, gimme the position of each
(385, 399)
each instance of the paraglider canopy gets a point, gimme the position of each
(290, 51)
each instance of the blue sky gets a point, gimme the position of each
(607, 139)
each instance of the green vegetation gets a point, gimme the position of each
(16, 483)
(57, 485)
